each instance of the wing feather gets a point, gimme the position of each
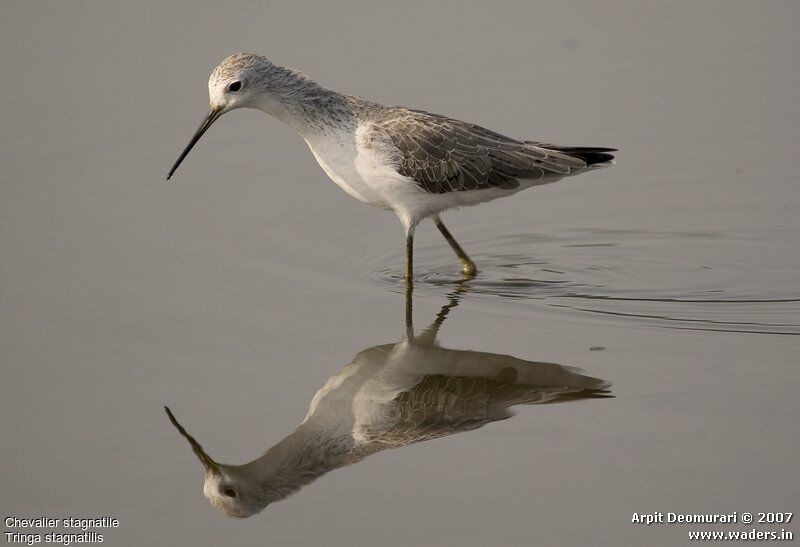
(445, 155)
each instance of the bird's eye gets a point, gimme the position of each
(235, 86)
(230, 492)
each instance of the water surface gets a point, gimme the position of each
(234, 291)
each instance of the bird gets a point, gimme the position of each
(390, 396)
(412, 162)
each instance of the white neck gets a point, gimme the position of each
(306, 106)
(299, 459)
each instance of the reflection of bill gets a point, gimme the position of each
(390, 396)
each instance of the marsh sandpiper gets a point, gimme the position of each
(414, 163)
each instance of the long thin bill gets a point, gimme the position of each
(210, 119)
(204, 458)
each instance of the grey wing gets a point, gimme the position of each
(445, 155)
(441, 405)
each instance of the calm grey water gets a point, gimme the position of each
(234, 292)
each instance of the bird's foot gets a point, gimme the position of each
(468, 269)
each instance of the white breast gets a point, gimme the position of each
(360, 166)
(338, 155)
(359, 163)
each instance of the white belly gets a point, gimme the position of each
(360, 168)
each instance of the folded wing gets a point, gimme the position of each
(445, 155)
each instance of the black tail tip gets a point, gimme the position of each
(591, 155)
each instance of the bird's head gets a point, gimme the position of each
(247, 80)
(230, 491)
(238, 82)
(229, 488)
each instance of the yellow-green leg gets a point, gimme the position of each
(409, 311)
(467, 265)
(410, 256)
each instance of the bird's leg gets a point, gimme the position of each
(467, 265)
(454, 298)
(410, 256)
(410, 312)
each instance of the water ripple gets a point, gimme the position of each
(676, 280)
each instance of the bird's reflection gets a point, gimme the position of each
(390, 396)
